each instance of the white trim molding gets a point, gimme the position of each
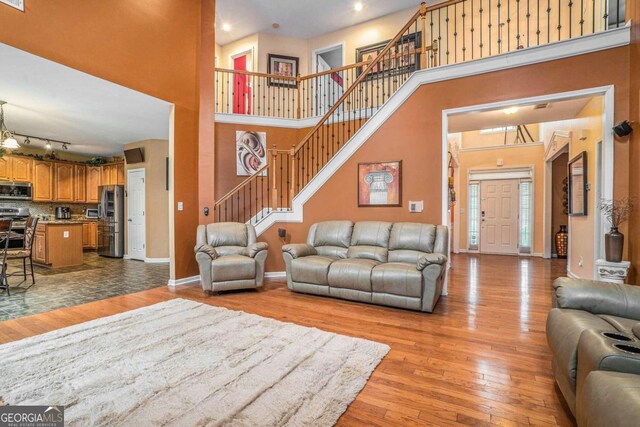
(185, 281)
(275, 275)
(157, 260)
(245, 119)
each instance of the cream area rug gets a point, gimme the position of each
(182, 363)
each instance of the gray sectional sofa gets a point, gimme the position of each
(395, 264)
(594, 334)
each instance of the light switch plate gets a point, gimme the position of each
(65, 234)
(416, 206)
(180, 206)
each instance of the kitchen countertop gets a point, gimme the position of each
(60, 221)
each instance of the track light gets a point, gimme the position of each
(48, 145)
(27, 141)
(64, 147)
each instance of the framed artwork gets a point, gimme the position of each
(404, 60)
(380, 184)
(282, 66)
(251, 152)
(578, 186)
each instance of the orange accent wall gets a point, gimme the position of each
(163, 48)
(414, 135)
(225, 159)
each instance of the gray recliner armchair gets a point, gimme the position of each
(229, 257)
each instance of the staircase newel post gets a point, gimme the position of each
(299, 101)
(423, 41)
(292, 190)
(274, 181)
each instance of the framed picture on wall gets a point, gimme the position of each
(281, 65)
(578, 186)
(380, 184)
(251, 152)
(403, 59)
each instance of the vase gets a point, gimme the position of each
(562, 242)
(613, 244)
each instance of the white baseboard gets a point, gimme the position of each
(149, 260)
(275, 275)
(158, 260)
(185, 281)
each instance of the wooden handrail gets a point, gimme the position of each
(253, 73)
(256, 174)
(362, 76)
(334, 70)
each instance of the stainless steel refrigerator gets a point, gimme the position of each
(111, 221)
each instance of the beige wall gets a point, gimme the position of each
(280, 45)
(157, 197)
(249, 43)
(581, 228)
(525, 155)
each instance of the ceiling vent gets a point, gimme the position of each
(18, 4)
(541, 106)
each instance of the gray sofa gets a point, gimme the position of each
(394, 264)
(594, 334)
(229, 257)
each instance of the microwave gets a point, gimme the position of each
(91, 213)
(15, 190)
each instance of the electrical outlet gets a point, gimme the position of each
(580, 261)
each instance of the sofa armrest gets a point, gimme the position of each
(428, 259)
(297, 250)
(255, 248)
(597, 297)
(206, 250)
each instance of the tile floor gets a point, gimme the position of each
(97, 279)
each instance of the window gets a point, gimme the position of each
(525, 216)
(474, 215)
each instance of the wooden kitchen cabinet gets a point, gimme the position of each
(79, 183)
(63, 189)
(58, 244)
(42, 181)
(113, 174)
(21, 168)
(90, 235)
(94, 175)
(5, 168)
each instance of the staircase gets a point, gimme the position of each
(449, 33)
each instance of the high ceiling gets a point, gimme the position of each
(527, 114)
(298, 18)
(96, 116)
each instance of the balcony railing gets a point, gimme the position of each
(448, 33)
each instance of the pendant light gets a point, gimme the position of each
(6, 137)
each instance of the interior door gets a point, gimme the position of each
(330, 87)
(241, 93)
(499, 216)
(136, 234)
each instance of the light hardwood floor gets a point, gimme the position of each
(480, 359)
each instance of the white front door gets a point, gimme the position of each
(136, 232)
(499, 216)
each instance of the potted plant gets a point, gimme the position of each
(616, 211)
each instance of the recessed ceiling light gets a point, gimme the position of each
(511, 110)
(226, 27)
(358, 6)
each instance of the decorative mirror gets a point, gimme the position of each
(578, 185)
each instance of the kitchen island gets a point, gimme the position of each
(58, 243)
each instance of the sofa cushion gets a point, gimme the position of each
(331, 238)
(412, 236)
(370, 240)
(609, 399)
(407, 256)
(397, 279)
(230, 250)
(312, 269)
(564, 328)
(352, 274)
(227, 234)
(233, 267)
